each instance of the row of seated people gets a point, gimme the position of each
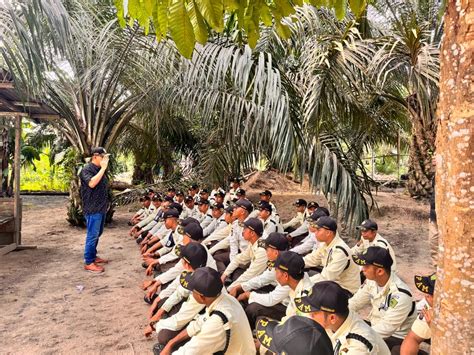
(222, 279)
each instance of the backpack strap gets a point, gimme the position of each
(360, 338)
(383, 242)
(224, 319)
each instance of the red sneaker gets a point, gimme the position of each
(96, 269)
(100, 261)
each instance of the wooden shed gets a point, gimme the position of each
(16, 105)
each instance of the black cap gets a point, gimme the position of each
(368, 224)
(297, 335)
(312, 204)
(266, 193)
(317, 214)
(204, 191)
(235, 179)
(149, 190)
(179, 193)
(193, 231)
(229, 209)
(188, 198)
(171, 213)
(218, 206)
(292, 263)
(327, 296)
(265, 206)
(189, 220)
(245, 204)
(376, 256)
(426, 284)
(254, 224)
(277, 241)
(194, 254)
(177, 206)
(300, 202)
(327, 222)
(145, 198)
(194, 187)
(220, 193)
(169, 198)
(240, 191)
(206, 281)
(171, 189)
(203, 202)
(98, 150)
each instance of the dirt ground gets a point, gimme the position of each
(48, 304)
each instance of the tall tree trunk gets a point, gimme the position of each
(420, 168)
(142, 173)
(453, 324)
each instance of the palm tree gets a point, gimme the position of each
(406, 68)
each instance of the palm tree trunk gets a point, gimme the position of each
(142, 173)
(420, 168)
(453, 323)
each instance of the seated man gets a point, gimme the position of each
(148, 222)
(193, 191)
(218, 220)
(297, 335)
(191, 232)
(393, 307)
(223, 328)
(221, 233)
(254, 254)
(310, 243)
(142, 212)
(300, 217)
(270, 225)
(333, 255)
(204, 217)
(177, 307)
(371, 238)
(189, 208)
(236, 241)
(300, 234)
(420, 330)
(289, 271)
(327, 303)
(262, 295)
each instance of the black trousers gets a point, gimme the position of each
(222, 258)
(255, 310)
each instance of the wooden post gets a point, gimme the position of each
(17, 210)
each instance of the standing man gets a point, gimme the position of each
(94, 206)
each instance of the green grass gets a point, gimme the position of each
(45, 178)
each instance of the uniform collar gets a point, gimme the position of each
(344, 328)
(216, 302)
(334, 242)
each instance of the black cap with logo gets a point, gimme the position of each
(188, 198)
(376, 256)
(176, 206)
(254, 224)
(318, 213)
(170, 213)
(277, 241)
(313, 204)
(297, 335)
(98, 151)
(229, 209)
(203, 202)
(265, 206)
(368, 224)
(266, 193)
(194, 254)
(245, 204)
(193, 231)
(327, 296)
(291, 263)
(240, 192)
(327, 222)
(426, 284)
(218, 206)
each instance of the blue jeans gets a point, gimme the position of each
(95, 227)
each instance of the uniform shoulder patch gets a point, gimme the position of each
(261, 243)
(393, 301)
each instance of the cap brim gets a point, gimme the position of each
(265, 330)
(423, 284)
(304, 306)
(185, 280)
(359, 260)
